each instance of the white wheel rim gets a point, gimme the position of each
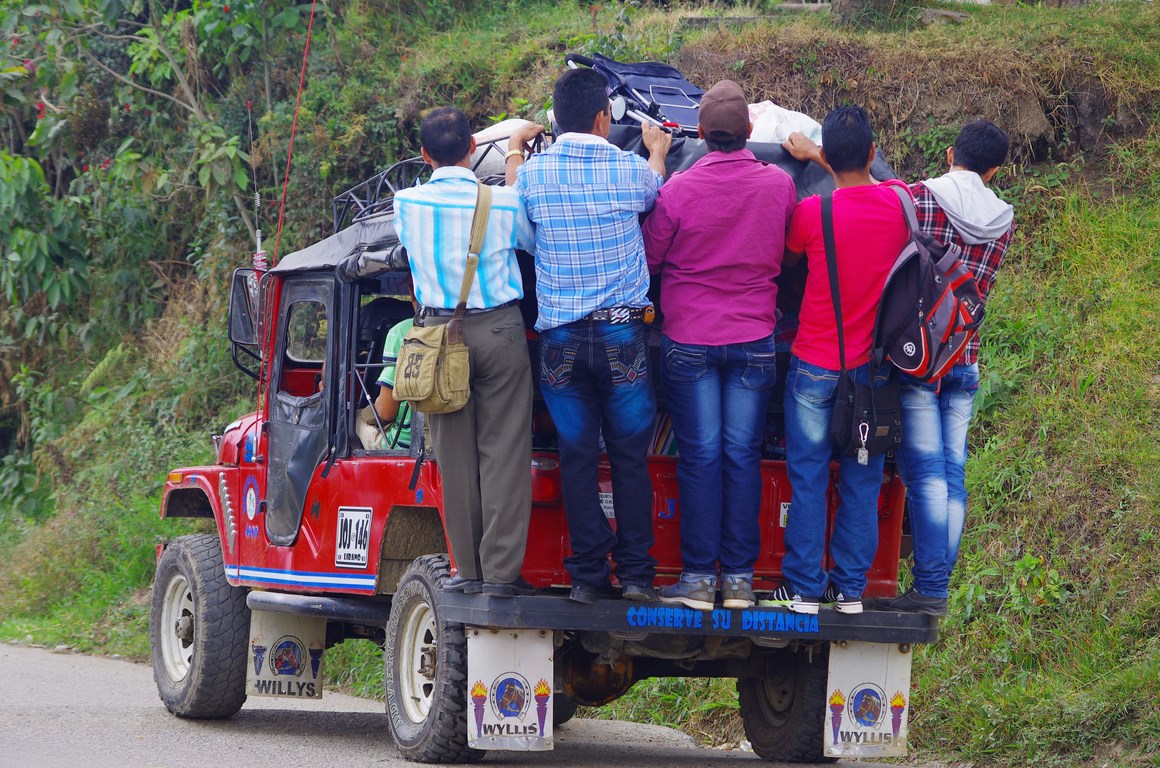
(177, 627)
(417, 650)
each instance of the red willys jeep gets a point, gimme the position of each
(319, 541)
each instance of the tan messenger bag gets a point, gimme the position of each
(433, 370)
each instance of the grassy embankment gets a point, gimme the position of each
(1050, 652)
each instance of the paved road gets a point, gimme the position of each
(60, 710)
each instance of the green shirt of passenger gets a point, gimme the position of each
(398, 431)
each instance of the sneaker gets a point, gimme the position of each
(913, 601)
(737, 592)
(786, 597)
(697, 592)
(840, 602)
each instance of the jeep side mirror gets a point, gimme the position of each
(244, 307)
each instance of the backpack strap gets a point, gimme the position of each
(907, 207)
(832, 269)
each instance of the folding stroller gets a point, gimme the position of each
(648, 92)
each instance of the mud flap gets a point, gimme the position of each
(285, 655)
(509, 692)
(869, 701)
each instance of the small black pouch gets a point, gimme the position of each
(865, 416)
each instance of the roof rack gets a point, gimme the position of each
(376, 195)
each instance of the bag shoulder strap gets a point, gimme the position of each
(832, 269)
(478, 230)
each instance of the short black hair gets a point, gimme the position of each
(579, 96)
(446, 135)
(847, 139)
(723, 142)
(980, 146)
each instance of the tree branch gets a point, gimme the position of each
(178, 72)
(246, 218)
(138, 86)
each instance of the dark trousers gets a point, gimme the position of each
(485, 450)
(595, 381)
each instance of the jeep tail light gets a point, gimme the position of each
(545, 480)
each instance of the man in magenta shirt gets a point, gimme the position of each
(869, 232)
(717, 238)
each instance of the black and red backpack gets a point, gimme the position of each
(930, 308)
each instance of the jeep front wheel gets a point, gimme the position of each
(199, 628)
(425, 670)
(783, 712)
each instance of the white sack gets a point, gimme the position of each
(773, 124)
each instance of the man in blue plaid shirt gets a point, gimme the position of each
(584, 197)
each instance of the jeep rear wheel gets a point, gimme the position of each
(425, 670)
(783, 713)
(199, 628)
(563, 708)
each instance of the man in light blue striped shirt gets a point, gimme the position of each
(438, 215)
(584, 197)
(484, 450)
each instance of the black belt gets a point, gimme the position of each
(438, 312)
(617, 315)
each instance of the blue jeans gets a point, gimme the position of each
(595, 379)
(809, 403)
(933, 461)
(717, 399)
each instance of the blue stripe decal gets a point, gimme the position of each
(301, 578)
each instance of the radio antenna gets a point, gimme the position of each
(260, 263)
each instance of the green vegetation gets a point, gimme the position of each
(126, 171)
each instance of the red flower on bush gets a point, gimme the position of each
(226, 9)
(85, 168)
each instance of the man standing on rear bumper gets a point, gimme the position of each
(484, 450)
(584, 197)
(717, 238)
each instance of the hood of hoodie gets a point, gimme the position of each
(974, 210)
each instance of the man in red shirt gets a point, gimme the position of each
(717, 239)
(869, 232)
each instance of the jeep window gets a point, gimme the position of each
(306, 332)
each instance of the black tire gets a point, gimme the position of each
(425, 671)
(563, 708)
(784, 713)
(199, 630)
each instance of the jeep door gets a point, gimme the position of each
(299, 438)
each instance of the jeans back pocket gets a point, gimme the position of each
(556, 362)
(813, 383)
(683, 362)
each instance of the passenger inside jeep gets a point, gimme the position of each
(381, 422)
